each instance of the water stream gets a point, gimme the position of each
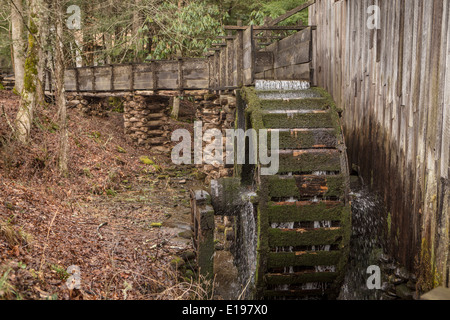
(245, 250)
(366, 245)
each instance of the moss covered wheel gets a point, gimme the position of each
(304, 219)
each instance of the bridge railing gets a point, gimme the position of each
(237, 61)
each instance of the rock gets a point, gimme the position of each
(177, 263)
(186, 234)
(411, 285)
(219, 246)
(397, 281)
(188, 255)
(386, 287)
(384, 258)
(388, 297)
(402, 273)
(189, 273)
(403, 292)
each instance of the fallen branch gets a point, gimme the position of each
(7, 119)
(99, 227)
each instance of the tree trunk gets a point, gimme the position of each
(60, 90)
(137, 23)
(42, 50)
(18, 45)
(24, 118)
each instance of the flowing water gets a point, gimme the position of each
(365, 246)
(245, 250)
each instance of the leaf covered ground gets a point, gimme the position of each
(122, 220)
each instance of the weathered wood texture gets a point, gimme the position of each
(394, 86)
(232, 64)
(287, 59)
(182, 74)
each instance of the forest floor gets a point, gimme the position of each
(121, 223)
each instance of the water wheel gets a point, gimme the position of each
(303, 212)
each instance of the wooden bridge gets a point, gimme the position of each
(238, 61)
(245, 54)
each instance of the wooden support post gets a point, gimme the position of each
(202, 215)
(112, 78)
(133, 69)
(93, 78)
(77, 80)
(175, 107)
(154, 76)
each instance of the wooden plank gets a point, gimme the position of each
(122, 77)
(143, 77)
(393, 86)
(85, 79)
(102, 78)
(281, 28)
(248, 56)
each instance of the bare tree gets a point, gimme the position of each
(60, 90)
(24, 118)
(17, 26)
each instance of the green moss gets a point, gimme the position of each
(306, 139)
(257, 117)
(313, 212)
(296, 104)
(309, 162)
(281, 238)
(301, 120)
(301, 278)
(121, 150)
(116, 104)
(111, 192)
(307, 259)
(156, 225)
(87, 172)
(332, 186)
(389, 223)
(206, 247)
(31, 66)
(177, 263)
(146, 160)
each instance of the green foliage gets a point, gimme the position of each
(187, 31)
(274, 9)
(60, 271)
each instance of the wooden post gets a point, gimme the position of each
(133, 69)
(112, 78)
(77, 80)
(176, 107)
(154, 76)
(93, 78)
(217, 70)
(202, 215)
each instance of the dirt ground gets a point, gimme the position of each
(121, 224)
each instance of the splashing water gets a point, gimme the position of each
(246, 248)
(365, 244)
(281, 85)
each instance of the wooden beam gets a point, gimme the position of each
(226, 37)
(291, 13)
(235, 27)
(275, 28)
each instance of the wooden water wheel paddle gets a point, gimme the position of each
(303, 212)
